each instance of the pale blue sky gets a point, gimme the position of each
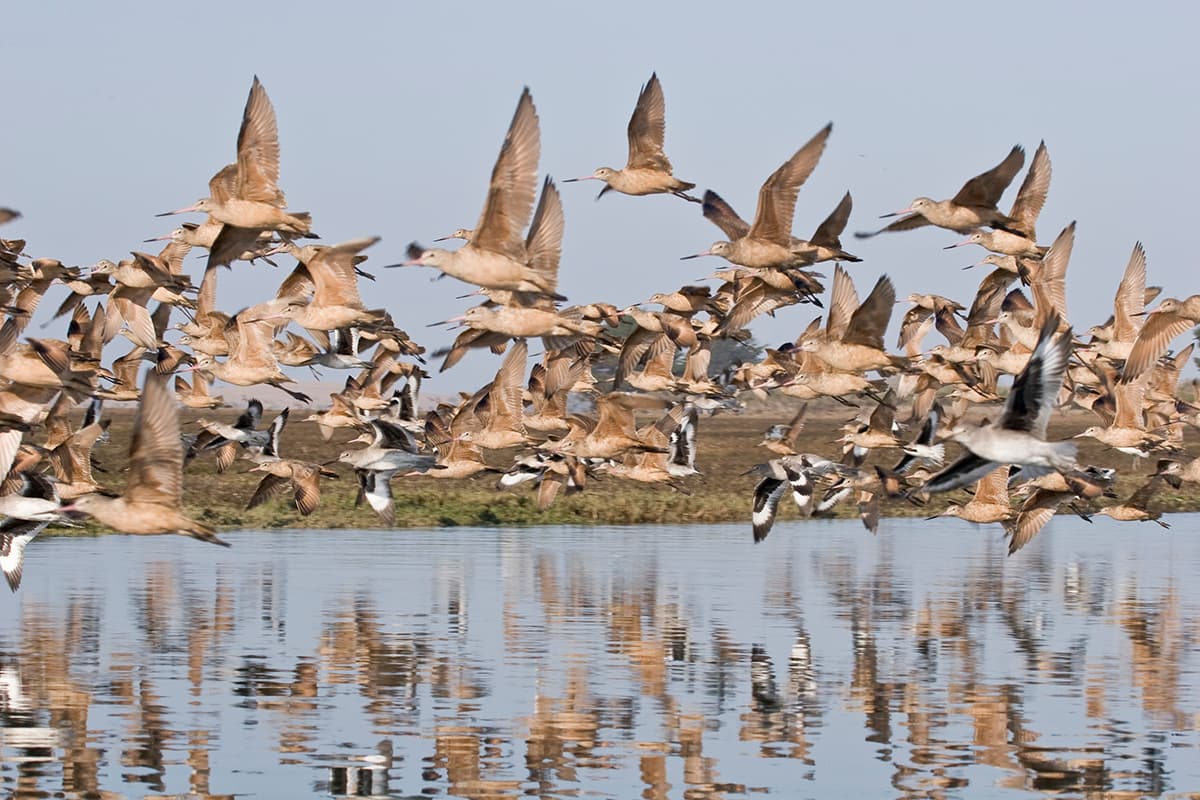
(391, 115)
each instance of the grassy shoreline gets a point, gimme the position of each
(727, 447)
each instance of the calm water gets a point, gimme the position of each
(633, 662)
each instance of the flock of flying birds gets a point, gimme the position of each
(1016, 325)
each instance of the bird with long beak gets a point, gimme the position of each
(153, 498)
(246, 194)
(973, 207)
(648, 170)
(496, 256)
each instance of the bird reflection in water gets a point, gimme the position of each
(558, 670)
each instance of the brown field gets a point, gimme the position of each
(727, 447)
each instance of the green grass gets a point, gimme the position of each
(727, 447)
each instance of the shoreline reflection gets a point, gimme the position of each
(665, 662)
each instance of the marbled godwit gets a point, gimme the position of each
(1115, 340)
(990, 503)
(973, 207)
(1020, 240)
(496, 257)
(942, 309)
(195, 395)
(648, 170)
(153, 497)
(1049, 286)
(71, 459)
(247, 194)
(861, 346)
(550, 385)
(301, 478)
(676, 459)
(768, 241)
(336, 302)
(251, 360)
(1043, 503)
(879, 431)
(824, 245)
(1171, 319)
(1126, 429)
(1137, 507)
(521, 322)
(1019, 437)
(504, 426)
(781, 438)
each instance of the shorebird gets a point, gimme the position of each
(36, 501)
(301, 478)
(1172, 318)
(251, 357)
(1124, 415)
(1019, 437)
(335, 302)
(860, 347)
(1052, 491)
(153, 498)
(673, 436)
(973, 207)
(392, 450)
(1114, 340)
(1137, 507)
(1020, 238)
(768, 241)
(824, 245)
(246, 194)
(495, 257)
(648, 170)
(38, 504)
(798, 473)
(923, 448)
(226, 439)
(503, 398)
(781, 438)
(71, 458)
(990, 503)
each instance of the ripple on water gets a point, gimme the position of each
(573, 662)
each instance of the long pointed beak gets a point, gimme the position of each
(935, 516)
(584, 178)
(958, 244)
(186, 210)
(896, 213)
(157, 239)
(696, 255)
(450, 321)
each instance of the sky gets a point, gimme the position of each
(391, 116)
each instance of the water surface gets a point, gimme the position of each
(654, 662)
